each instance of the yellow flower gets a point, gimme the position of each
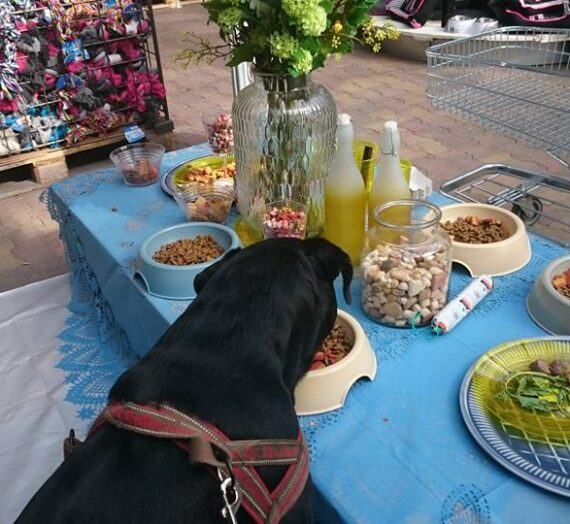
(337, 27)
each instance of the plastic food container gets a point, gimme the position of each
(203, 203)
(139, 163)
(326, 389)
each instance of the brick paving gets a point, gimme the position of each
(372, 88)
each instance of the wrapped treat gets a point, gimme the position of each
(458, 308)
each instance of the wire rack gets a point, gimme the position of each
(514, 80)
(51, 98)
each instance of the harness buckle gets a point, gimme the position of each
(231, 493)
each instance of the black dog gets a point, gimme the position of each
(233, 358)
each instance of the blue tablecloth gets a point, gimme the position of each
(398, 451)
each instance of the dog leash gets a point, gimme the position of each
(233, 463)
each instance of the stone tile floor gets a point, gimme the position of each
(371, 88)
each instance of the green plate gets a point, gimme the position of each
(175, 177)
(494, 368)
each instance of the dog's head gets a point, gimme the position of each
(285, 287)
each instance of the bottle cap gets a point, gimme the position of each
(343, 119)
(390, 138)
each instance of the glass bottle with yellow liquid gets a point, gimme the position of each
(345, 201)
(389, 183)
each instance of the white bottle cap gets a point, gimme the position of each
(390, 138)
(343, 119)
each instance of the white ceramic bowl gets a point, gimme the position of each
(546, 306)
(177, 282)
(326, 389)
(497, 258)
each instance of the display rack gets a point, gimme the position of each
(84, 70)
(514, 80)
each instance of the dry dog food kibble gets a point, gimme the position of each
(333, 348)
(562, 283)
(187, 251)
(475, 230)
(403, 289)
(208, 175)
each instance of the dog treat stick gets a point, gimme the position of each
(458, 308)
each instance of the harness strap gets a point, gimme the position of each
(206, 444)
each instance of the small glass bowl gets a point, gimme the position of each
(139, 163)
(285, 219)
(219, 130)
(206, 203)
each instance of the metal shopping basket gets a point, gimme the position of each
(515, 80)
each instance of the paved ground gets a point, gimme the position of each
(372, 88)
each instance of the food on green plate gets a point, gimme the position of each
(545, 387)
(205, 174)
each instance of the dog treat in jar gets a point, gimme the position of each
(406, 264)
(285, 219)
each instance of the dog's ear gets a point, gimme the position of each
(203, 277)
(330, 260)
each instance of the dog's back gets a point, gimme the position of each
(233, 358)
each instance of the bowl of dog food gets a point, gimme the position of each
(170, 259)
(486, 239)
(203, 203)
(548, 302)
(342, 358)
(139, 163)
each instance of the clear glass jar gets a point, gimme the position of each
(406, 264)
(284, 135)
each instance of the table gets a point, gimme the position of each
(398, 450)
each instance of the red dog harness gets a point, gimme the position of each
(206, 444)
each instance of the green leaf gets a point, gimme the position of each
(312, 44)
(242, 53)
(319, 61)
(215, 6)
(357, 16)
(327, 5)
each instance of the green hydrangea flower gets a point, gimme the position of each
(303, 61)
(313, 21)
(229, 18)
(282, 45)
(297, 8)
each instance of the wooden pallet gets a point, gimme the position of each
(49, 165)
